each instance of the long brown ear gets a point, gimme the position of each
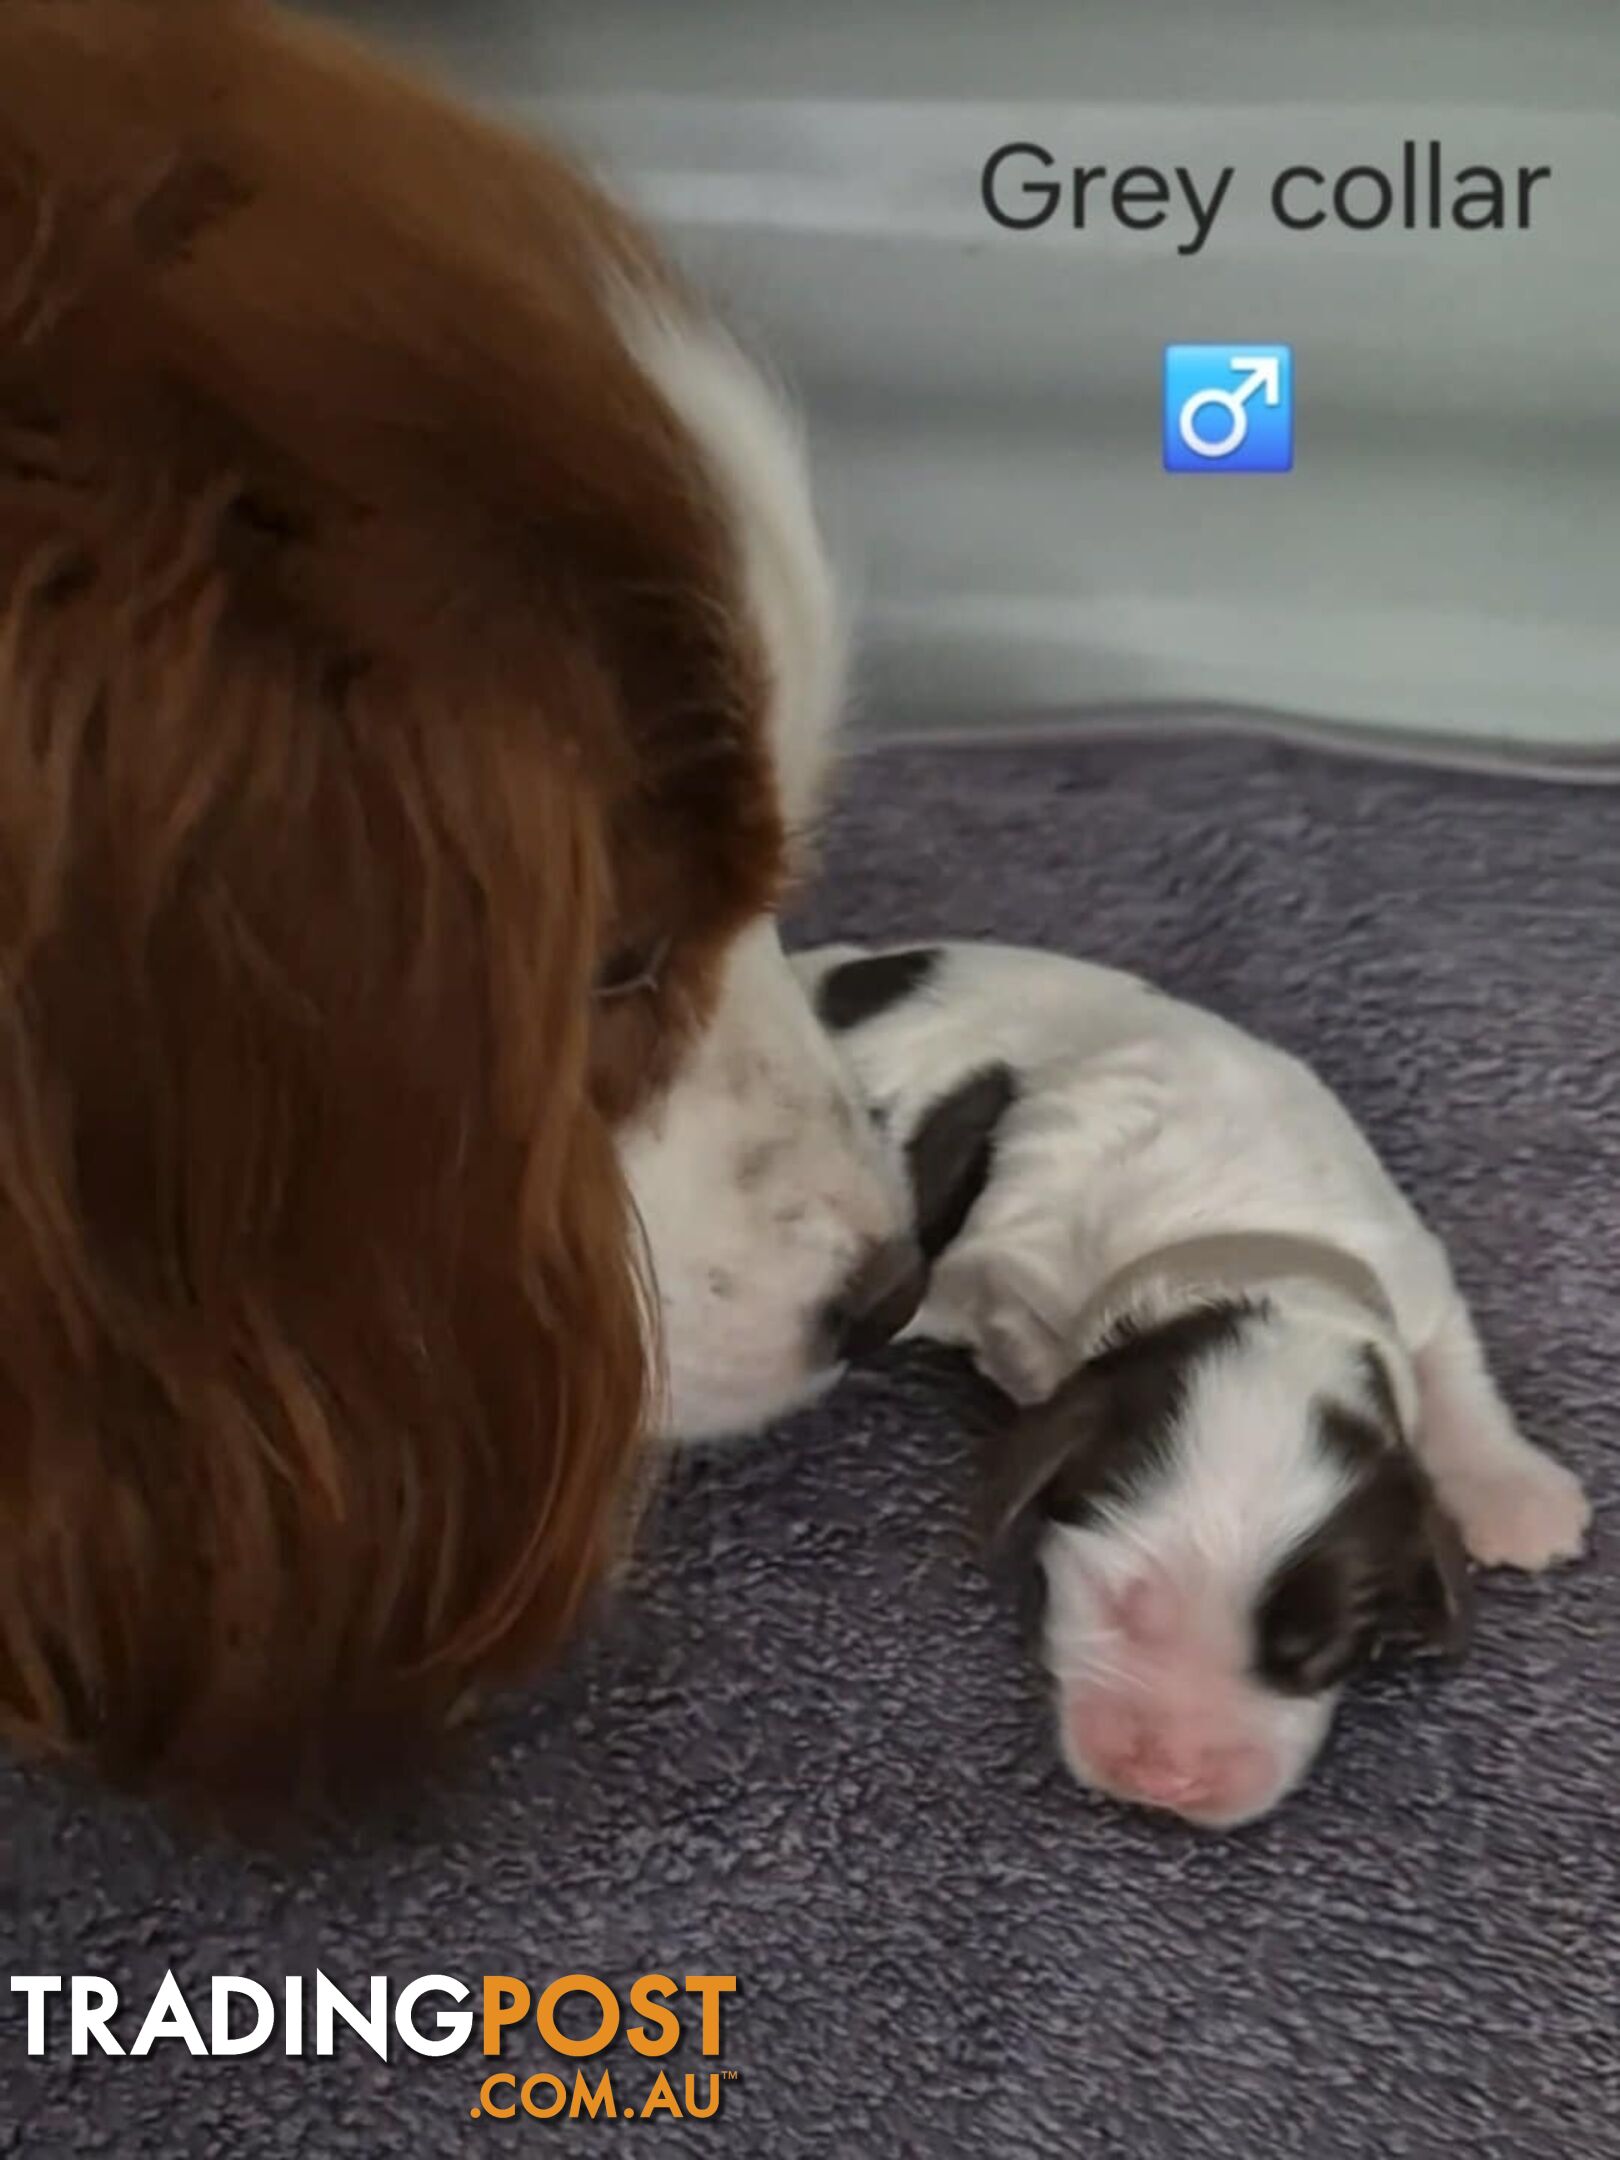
(321, 1358)
(358, 603)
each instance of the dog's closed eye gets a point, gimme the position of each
(631, 968)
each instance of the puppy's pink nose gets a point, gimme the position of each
(1162, 1775)
(1190, 1776)
(1166, 1784)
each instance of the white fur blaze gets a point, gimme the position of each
(756, 456)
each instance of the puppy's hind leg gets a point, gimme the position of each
(1514, 1505)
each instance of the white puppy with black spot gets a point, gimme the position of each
(1265, 1416)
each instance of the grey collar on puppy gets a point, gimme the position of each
(1232, 1264)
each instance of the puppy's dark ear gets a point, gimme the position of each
(1430, 1606)
(1045, 1454)
(1439, 1602)
(1108, 1430)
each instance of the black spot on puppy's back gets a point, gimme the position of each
(858, 990)
(950, 1155)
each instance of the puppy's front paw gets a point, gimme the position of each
(988, 1301)
(1016, 1356)
(1528, 1514)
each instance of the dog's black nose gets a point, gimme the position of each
(880, 1298)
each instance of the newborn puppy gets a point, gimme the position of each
(1265, 1429)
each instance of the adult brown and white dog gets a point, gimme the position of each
(417, 663)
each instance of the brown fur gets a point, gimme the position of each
(371, 667)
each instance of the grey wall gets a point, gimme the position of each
(984, 405)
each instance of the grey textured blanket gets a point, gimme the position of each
(809, 1751)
